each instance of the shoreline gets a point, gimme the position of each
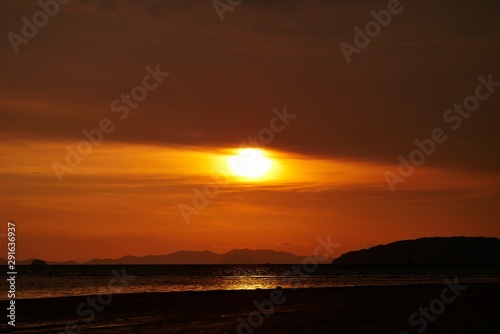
(285, 287)
(356, 309)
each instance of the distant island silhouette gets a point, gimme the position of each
(37, 262)
(437, 250)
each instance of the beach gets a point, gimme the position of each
(372, 309)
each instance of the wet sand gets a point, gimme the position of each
(332, 310)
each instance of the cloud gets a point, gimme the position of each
(226, 77)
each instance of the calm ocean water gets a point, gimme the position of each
(54, 281)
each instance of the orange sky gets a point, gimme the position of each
(225, 79)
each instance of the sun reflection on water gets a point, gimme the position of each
(247, 283)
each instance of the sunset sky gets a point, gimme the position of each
(230, 80)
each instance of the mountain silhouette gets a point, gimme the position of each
(437, 250)
(236, 256)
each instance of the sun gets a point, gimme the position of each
(250, 163)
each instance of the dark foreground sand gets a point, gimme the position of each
(333, 310)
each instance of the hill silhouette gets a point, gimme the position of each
(437, 250)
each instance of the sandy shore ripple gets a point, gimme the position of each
(381, 309)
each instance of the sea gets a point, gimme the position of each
(79, 280)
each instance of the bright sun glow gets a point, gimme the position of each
(250, 162)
